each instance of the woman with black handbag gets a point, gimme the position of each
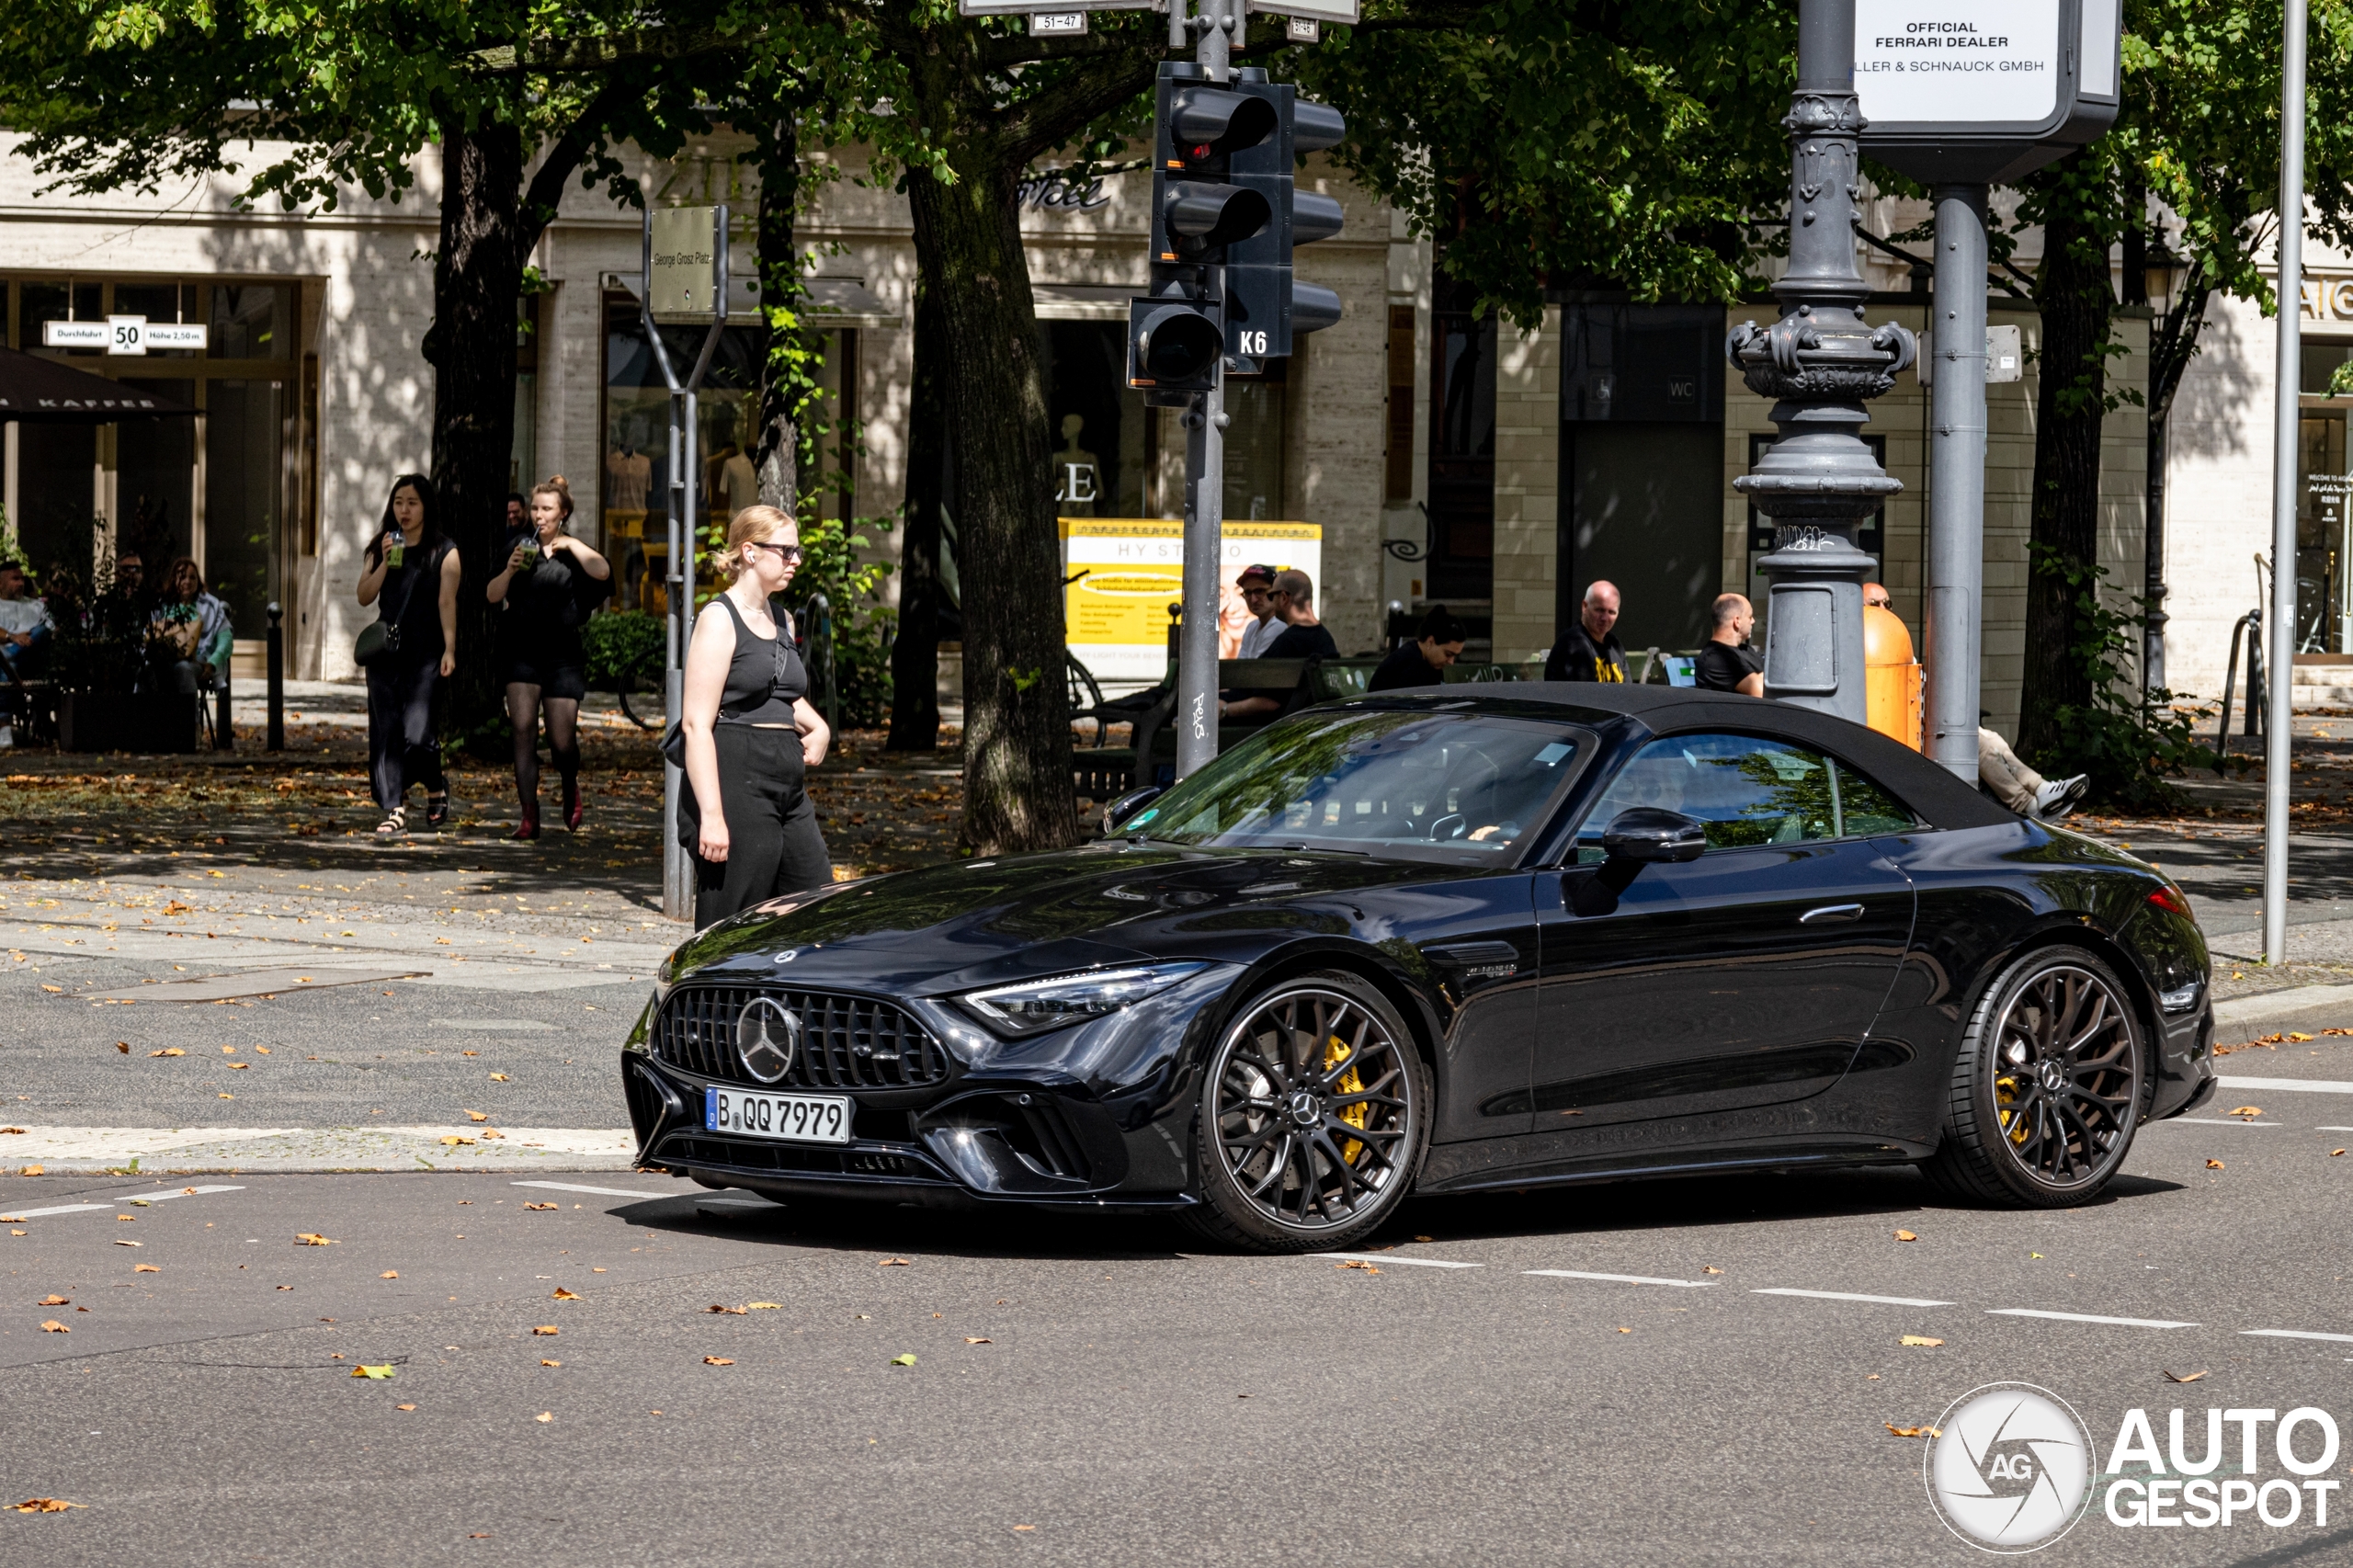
(748, 735)
(550, 584)
(409, 650)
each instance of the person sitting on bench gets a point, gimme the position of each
(1304, 637)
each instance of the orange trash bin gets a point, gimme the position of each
(1893, 687)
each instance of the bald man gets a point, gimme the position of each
(1590, 649)
(1728, 663)
(1999, 770)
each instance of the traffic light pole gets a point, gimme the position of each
(1204, 422)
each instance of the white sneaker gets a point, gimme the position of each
(2058, 796)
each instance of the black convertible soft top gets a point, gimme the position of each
(1942, 800)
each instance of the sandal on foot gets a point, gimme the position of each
(436, 810)
(395, 822)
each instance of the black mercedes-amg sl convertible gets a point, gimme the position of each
(1475, 938)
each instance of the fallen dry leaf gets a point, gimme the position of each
(2299, 1038)
(1625, 1331)
(124, 1242)
(544, 1362)
(897, 1263)
(123, 1046)
(2214, 1165)
(452, 1140)
(33, 1170)
(715, 1307)
(379, 1373)
(498, 1077)
(1710, 1269)
(54, 989)
(476, 1116)
(722, 1361)
(403, 1407)
(2247, 1110)
(539, 1206)
(544, 1416)
(2185, 1377)
(52, 1326)
(313, 1239)
(972, 1341)
(168, 1050)
(47, 1505)
(547, 1328)
(1357, 1263)
(903, 1360)
(1920, 1339)
(561, 1294)
(389, 1274)
(764, 1306)
(144, 1269)
(1905, 1236)
(1913, 1431)
(54, 1302)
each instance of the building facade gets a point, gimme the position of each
(1442, 456)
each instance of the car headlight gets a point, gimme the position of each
(1036, 1005)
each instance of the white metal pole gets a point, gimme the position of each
(2280, 731)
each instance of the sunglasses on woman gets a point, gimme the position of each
(791, 554)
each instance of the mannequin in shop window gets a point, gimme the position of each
(1078, 478)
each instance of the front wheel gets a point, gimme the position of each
(2048, 1088)
(1313, 1118)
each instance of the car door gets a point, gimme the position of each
(1745, 978)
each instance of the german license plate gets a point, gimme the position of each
(792, 1118)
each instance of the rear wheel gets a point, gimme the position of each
(1313, 1118)
(2048, 1088)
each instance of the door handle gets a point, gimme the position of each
(1832, 912)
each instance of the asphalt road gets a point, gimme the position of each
(1092, 1391)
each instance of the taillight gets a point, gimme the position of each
(2169, 899)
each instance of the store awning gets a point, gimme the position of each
(35, 390)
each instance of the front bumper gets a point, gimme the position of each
(1097, 1115)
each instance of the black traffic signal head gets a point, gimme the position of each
(1265, 307)
(1174, 345)
(1198, 127)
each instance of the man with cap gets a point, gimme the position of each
(1258, 585)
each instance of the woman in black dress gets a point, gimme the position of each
(750, 733)
(550, 583)
(413, 570)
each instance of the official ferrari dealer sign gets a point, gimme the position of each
(1958, 60)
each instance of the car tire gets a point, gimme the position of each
(1298, 1148)
(2048, 1088)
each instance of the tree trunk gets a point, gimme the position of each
(1017, 790)
(2073, 291)
(477, 284)
(915, 656)
(777, 452)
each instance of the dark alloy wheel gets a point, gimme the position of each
(1312, 1118)
(2049, 1087)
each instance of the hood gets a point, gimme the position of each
(989, 922)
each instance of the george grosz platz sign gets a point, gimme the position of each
(1981, 91)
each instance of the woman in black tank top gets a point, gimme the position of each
(750, 733)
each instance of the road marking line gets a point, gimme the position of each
(2083, 1317)
(1850, 1296)
(600, 1191)
(1619, 1279)
(2333, 1129)
(2291, 1085)
(2298, 1333)
(2214, 1121)
(1394, 1257)
(93, 1207)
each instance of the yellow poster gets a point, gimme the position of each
(1125, 572)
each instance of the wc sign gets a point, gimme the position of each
(122, 335)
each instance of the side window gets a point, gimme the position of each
(1866, 811)
(1745, 790)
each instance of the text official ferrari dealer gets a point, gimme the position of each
(1492, 936)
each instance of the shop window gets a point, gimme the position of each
(242, 424)
(1257, 415)
(154, 479)
(251, 321)
(1100, 423)
(38, 302)
(55, 491)
(1399, 486)
(1462, 448)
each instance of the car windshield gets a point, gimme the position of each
(1377, 780)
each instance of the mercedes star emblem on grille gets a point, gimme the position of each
(767, 1036)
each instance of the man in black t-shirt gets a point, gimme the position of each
(1590, 649)
(1305, 638)
(1424, 661)
(1728, 663)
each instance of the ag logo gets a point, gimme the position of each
(2012, 1471)
(767, 1036)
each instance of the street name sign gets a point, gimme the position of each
(1982, 91)
(684, 275)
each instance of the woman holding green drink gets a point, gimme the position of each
(550, 584)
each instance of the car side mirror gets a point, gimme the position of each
(1128, 805)
(1647, 835)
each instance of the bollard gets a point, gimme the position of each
(276, 652)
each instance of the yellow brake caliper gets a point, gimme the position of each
(1356, 1115)
(2006, 1098)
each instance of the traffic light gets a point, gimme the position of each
(1267, 306)
(1177, 332)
